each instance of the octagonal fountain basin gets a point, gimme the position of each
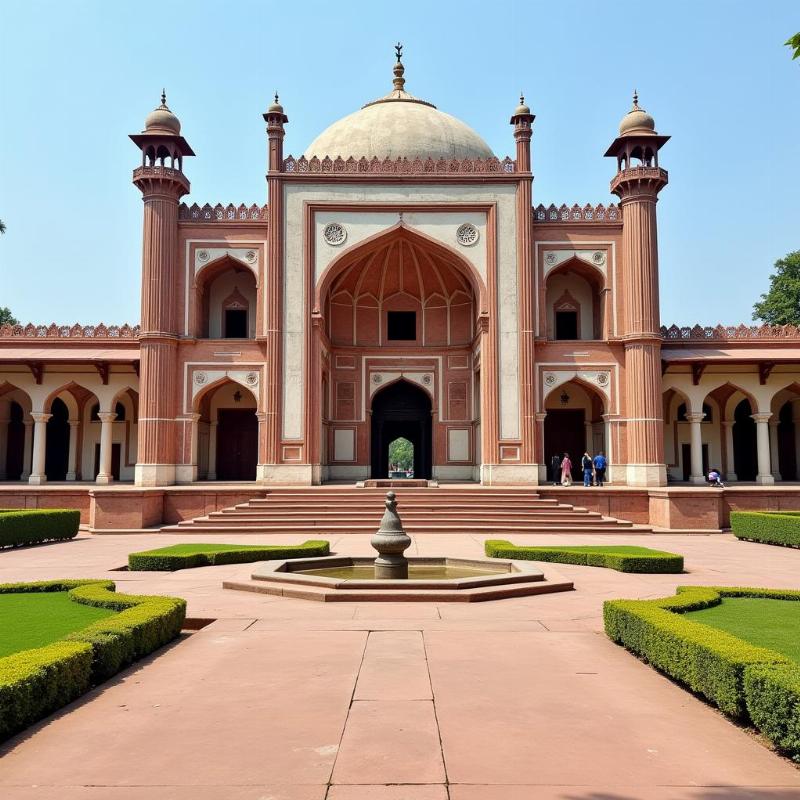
(352, 579)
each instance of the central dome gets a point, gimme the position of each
(399, 125)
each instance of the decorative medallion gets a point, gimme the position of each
(549, 379)
(250, 256)
(200, 378)
(599, 258)
(202, 255)
(467, 234)
(377, 378)
(251, 379)
(426, 379)
(551, 258)
(334, 234)
(602, 378)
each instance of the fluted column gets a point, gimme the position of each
(695, 421)
(762, 448)
(107, 418)
(27, 450)
(730, 468)
(72, 457)
(38, 475)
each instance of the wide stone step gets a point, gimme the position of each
(480, 530)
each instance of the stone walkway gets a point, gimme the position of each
(294, 700)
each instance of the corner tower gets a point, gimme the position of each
(638, 181)
(162, 183)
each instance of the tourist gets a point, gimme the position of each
(600, 463)
(555, 469)
(715, 479)
(586, 466)
(566, 471)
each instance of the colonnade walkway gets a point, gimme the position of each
(297, 700)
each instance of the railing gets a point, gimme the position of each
(220, 213)
(727, 332)
(401, 166)
(54, 331)
(588, 213)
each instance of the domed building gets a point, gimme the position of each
(403, 285)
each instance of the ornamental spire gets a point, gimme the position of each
(163, 97)
(399, 81)
(636, 101)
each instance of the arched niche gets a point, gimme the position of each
(226, 299)
(574, 301)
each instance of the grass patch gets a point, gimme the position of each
(186, 556)
(623, 558)
(763, 622)
(36, 619)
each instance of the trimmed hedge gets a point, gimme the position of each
(34, 683)
(186, 556)
(745, 681)
(782, 528)
(621, 558)
(32, 526)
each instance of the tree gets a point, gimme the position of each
(401, 453)
(2, 226)
(794, 43)
(781, 304)
(6, 317)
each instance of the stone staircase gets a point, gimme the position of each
(324, 510)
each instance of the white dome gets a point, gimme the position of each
(399, 125)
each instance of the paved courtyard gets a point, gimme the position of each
(284, 699)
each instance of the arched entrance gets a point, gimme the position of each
(57, 442)
(401, 409)
(744, 442)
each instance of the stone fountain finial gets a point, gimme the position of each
(391, 541)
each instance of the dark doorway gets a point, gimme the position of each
(686, 458)
(401, 326)
(116, 460)
(566, 324)
(235, 324)
(16, 442)
(564, 432)
(745, 463)
(237, 444)
(787, 455)
(56, 451)
(401, 409)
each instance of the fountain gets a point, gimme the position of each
(392, 576)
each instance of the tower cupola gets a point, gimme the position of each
(161, 142)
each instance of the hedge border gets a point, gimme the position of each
(767, 527)
(36, 682)
(158, 560)
(22, 526)
(656, 561)
(749, 683)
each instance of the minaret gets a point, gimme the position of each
(637, 187)
(161, 180)
(522, 120)
(269, 445)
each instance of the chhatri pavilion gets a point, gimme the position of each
(400, 281)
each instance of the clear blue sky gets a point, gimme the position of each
(79, 76)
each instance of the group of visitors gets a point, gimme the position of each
(593, 469)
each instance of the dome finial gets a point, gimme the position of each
(276, 96)
(398, 81)
(635, 100)
(163, 97)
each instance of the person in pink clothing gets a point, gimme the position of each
(566, 471)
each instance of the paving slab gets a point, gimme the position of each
(408, 792)
(394, 668)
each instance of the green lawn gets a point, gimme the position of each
(767, 623)
(34, 619)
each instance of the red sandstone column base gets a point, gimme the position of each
(154, 474)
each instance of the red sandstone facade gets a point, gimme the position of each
(410, 287)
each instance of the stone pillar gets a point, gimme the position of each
(730, 469)
(72, 458)
(107, 418)
(773, 449)
(27, 451)
(3, 447)
(38, 475)
(695, 420)
(764, 476)
(212, 450)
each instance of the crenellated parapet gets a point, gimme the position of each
(220, 213)
(729, 332)
(54, 331)
(576, 213)
(399, 166)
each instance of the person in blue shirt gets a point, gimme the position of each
(586, 466)
(600, 464)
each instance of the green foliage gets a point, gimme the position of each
(623, 558)
(767, 527)
(794, 43)
(401, 453)
(781, 304)
(186, 556)
(32, 526)
(34, 683)
(711, 662)
(6, 317)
